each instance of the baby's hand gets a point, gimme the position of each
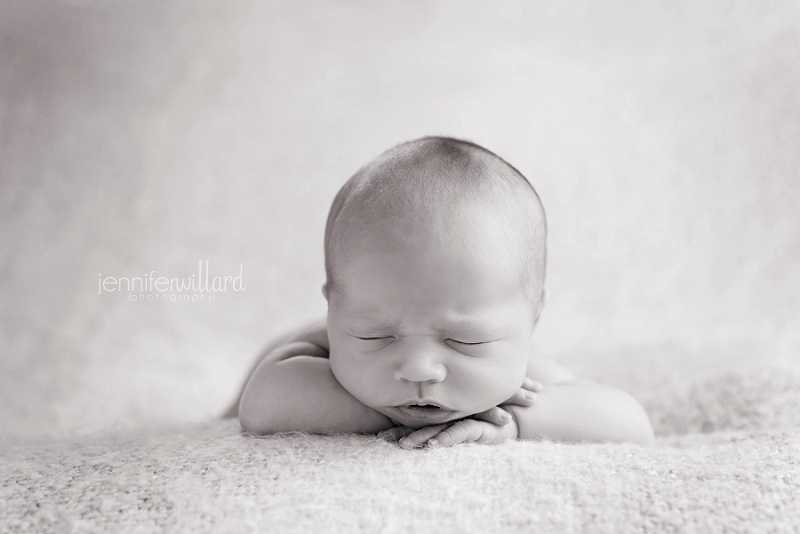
(464, 431)
(525, 396)
(492, 426)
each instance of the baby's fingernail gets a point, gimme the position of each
(530, 396)
(433, 442)
(504, 416)
(406, 444)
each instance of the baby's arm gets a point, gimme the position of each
(293, 389)
(315, 332)
(569, 409)
(581, 410)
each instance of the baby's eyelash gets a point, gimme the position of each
(373, 338)
(469, 342)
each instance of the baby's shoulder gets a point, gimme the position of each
(315, 332)
(545, 370)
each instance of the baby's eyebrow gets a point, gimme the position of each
(471, 324)
(459, 325)
(366, 321)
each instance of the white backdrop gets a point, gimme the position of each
(146, 136)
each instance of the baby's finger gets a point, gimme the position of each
(522, 397)
(532, 385)
(496, 416)
(420, 437)
(395, 433)
(464, 431)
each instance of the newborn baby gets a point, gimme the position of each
(435, 260)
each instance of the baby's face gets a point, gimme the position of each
(430, 333)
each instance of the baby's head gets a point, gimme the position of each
(435, 259)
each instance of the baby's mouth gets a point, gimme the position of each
(425, 407)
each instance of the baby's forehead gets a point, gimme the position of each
(419, 226)
(407, 206)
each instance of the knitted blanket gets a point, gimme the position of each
(727, 459)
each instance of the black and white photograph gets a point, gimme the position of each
(448, 266)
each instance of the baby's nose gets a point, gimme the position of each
(420, 368)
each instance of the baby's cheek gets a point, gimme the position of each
(341, 368)
(499, 385)
(355, 378)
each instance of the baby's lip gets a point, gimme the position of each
(424, 404)
(425, 411)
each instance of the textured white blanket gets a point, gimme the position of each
(144, 137)
(741, 475)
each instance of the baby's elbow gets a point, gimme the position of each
(647, 436)
(250, 419)
(612, 415)
(255, 415)
(642, 433)
(257, 422)
(635, 424)
(257, 406)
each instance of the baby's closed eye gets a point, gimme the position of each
(468, 342)
(472, 347)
